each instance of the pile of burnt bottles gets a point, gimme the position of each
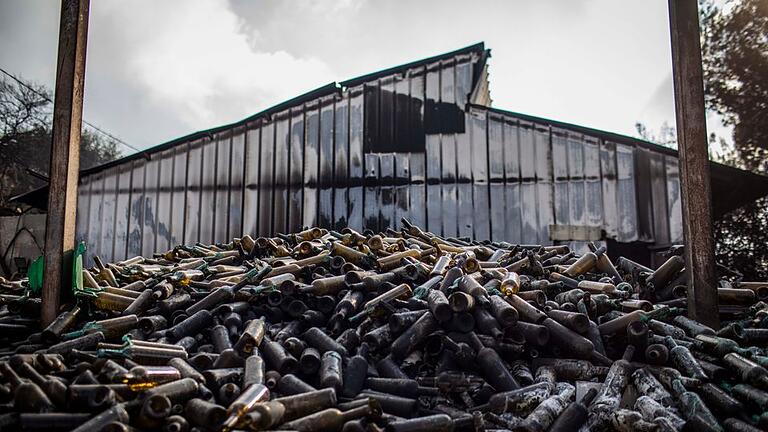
(401, 331)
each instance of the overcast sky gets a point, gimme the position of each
(160, 69)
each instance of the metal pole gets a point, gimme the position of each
(65, 154)
(694, 162)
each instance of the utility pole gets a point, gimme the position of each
(694, 162)
(65, 154)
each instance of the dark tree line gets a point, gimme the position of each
(25, 140)
(735, 60)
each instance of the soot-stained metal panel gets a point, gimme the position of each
(296, 171)
(311, 163)
(266, 178)
(326, 180)
(281, 182)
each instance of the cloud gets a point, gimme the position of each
(193, 58)
(161, 69)
(332, 7)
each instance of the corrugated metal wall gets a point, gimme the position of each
(503, 177)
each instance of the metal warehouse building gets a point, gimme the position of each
(419, 141)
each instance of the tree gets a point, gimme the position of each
(735, 61)
(26, 136)
(666, 136)
(742, 235)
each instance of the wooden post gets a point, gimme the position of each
(65, 154)
(694, 162)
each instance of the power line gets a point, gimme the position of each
(93, 126)
(48, 99)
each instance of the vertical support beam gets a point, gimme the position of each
(694, 162)
(65, 154)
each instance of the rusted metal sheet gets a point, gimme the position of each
(488, 174)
